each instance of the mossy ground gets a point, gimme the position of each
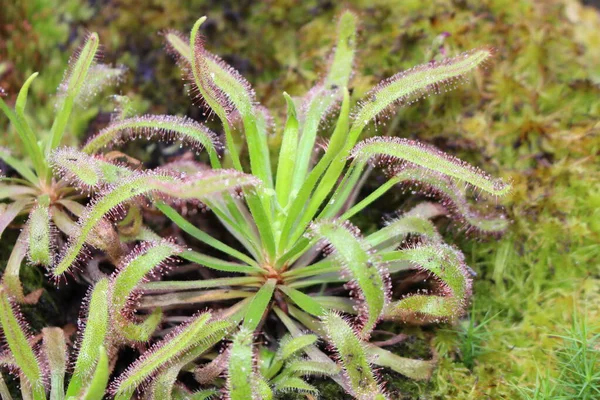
(532, 117)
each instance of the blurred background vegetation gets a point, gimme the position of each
(532, 117)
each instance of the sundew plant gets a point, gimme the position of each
(301, 275)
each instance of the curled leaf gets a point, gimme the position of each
(369, 277)
(447, 267)
(352, 356)
(402, 153)
(163, 127)
(145, 259)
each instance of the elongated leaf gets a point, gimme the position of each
(144, 259)
(10, 278)
(259, 305)
(455, 200)
(198, 330)
(331, 165)
(398, 229)
(9, 212)
(55, 353)
(412, 84)
(351, 251)
(40, 233)
(414, 369)
(327, 93)
(170, 300)
(400, 150)
(24, 132)
(287, 154)
(194, 187)
(99, 381)
(71, 86)
(201, 235)
(352, 356)
(85, 171)
(92, 336)
(447, 265)
(303, 301)
(240, 370)
(173, 286)
(16, 333)
(219, 83)
(18, 165)
(155, 127)
(220, 265)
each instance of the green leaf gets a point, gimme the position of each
(40, 232)
(55, 353)
(145, 258)
(448, 266)
(292, 384)
(414, 369)
(10, 277)
(400, 150)
(155, 127)
(18, 166)
(99, 381)
(226, 91)
(290, 346)
(455, 200)
(327, 93)
(353, 254)
(332, 163)
(220, 265)
(92, 339)
(352, 356)
(198, 186)
(174, 286)
(28, 138)
(312, 368)
(398, 229)
(287, 154)
(262, 388)
(240, 372)
(407, 86)
(303, 301)
(21, 102)
(198, 331)
(16, 336)
(85, 171)
(201, 235)
(75, 78)
(8, 212)
(259, 305)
